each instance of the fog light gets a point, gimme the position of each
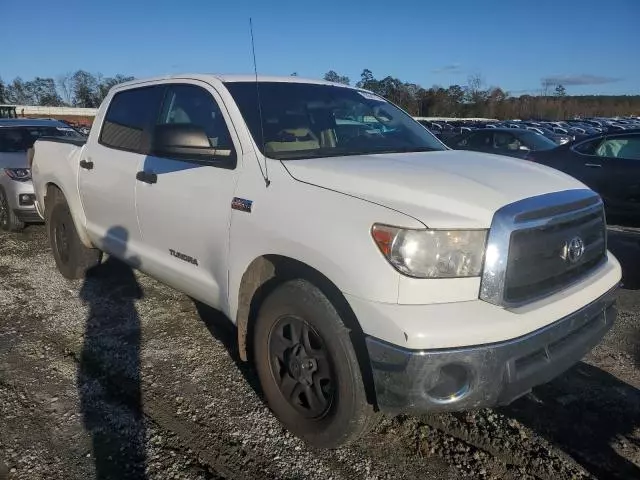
(453, 382)
(26, 199)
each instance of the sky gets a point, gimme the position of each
(590, 46)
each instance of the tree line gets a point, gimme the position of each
(78, 89)
(475, 99)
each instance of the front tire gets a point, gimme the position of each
(72, 258)
(9, 222)
(308, 368)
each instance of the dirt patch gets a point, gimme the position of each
(119, 376)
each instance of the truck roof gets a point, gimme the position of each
(233, 78)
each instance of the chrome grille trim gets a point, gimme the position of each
(527, 214)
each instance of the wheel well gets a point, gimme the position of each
(266, 273)
(53, 194)
(50, 194)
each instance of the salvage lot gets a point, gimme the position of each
(119, 376)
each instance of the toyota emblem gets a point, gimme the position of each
(574, 250)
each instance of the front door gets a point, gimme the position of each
(107, 175)
(184, 215)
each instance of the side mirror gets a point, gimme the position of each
(185, 141)
(524, 148)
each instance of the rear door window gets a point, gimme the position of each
(130, 117)
(588, 148)
(623, 147)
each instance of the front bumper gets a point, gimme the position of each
(22, 199)
(413, 381)
(27, 215)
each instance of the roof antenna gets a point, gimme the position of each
(265, 173)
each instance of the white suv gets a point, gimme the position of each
(17, 200)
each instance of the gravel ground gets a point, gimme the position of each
(119, 376)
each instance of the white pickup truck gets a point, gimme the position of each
(367, 267)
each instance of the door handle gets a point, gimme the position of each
(87, 165)
(593, 165)
(147, 177)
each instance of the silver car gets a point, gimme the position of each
(17, 136)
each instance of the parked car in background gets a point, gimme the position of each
(433, 127)
(8, 111)
(587, 128)
(557, 138)
(17, 137)
(608, 164)
(515, 142)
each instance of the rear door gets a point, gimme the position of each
(184, 213)
(107, 174)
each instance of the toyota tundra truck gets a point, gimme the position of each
(368, 268)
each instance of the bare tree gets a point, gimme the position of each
(546, 87)
(65, 86)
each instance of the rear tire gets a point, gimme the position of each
(308, 368)
(9, 222)
(72, 258)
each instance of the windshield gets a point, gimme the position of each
(303, 120)
(537, 141)
(20, 139)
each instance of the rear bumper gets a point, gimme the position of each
(413, 381)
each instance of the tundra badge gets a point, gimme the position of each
(182, 256)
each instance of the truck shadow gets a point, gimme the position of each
(221, 328)
(108, 375)
(589, 414)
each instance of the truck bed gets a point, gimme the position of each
(78, 142)
(55, 161)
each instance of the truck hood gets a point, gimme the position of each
(13, 160)
(448, 189)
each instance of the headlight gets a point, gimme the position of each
(19, 174)
(432, 253)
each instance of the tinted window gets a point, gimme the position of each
(588, 148)
(192, 105)
(477, 140)
(620, 147)
(20, 139)
(505, 141)
(535, 141)
(130, 116)
(300, 120)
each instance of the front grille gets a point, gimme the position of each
(528, 255)
(538, 263)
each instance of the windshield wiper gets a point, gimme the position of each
(406, 150)
(336, 152)
(303, 154)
